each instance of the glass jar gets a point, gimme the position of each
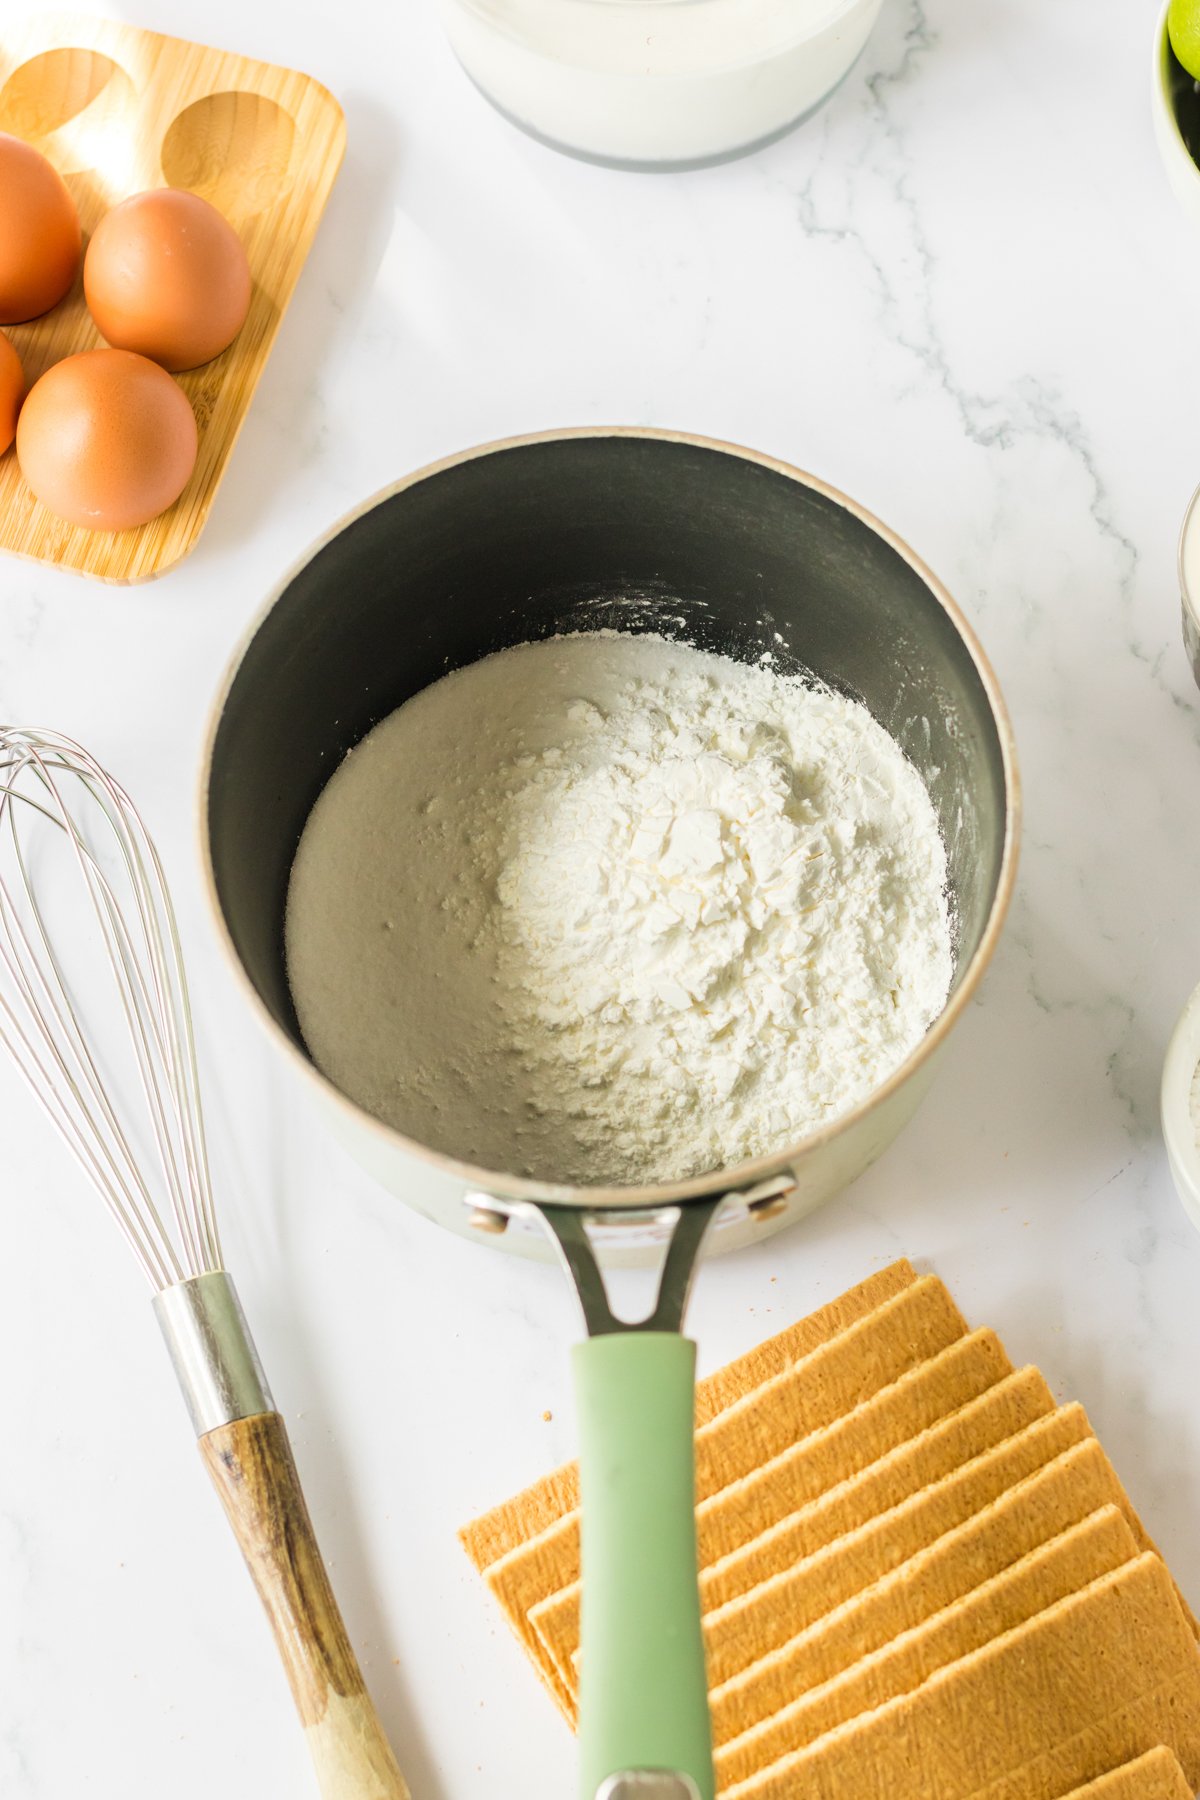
(657, 83)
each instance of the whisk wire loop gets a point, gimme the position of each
(48, 781)
(42, 988)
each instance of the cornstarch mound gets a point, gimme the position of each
(608, 909)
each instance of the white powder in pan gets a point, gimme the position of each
(612, 909)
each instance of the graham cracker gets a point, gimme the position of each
(830, 1381)
(929, 1421)
(840, 1564)
(906, 1501)
(1154, 1776)
(1111, 1670)
(518, 1580)
(1033, 1512)
(907, 1329)
(1056, 1569)
(1091, 1754)
(718, 1391)
(543, 1504)
(856, 1533)
(923, 1398)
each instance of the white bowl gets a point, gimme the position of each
(657, 83)
(1179, 1130)
(1181, 168)
(1189, 581)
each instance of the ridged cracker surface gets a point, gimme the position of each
(1025, 1717)
(1155, 1776)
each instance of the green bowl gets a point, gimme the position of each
(1175, 103)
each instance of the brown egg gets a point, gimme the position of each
(39, 233)
(166, 275)
(12, 391)
(106, 440)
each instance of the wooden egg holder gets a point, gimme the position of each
(118, 110)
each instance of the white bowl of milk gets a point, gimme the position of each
(1181, 1108)
(654, 83)
(1189, 581)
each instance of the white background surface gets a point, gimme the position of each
(962, 293)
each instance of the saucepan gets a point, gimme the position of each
(737, 553)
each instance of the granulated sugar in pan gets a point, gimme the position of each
(609, 909)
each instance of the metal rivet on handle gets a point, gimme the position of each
(769, 1209)
(770, 1198)
(649, 1784)
(484, 1218)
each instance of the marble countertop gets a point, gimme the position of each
(964, 294)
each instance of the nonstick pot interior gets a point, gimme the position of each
(589, 532)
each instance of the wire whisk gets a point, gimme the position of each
(47, 779)
(93, 1005)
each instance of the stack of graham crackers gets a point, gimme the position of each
(919, 1576)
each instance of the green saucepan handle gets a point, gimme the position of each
(643, 1691)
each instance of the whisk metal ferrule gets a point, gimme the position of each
(212, 1350)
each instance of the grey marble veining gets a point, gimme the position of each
(963, 293)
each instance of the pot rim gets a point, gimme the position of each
(744, 1176)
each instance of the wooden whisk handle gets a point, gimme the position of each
(253, 1470)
